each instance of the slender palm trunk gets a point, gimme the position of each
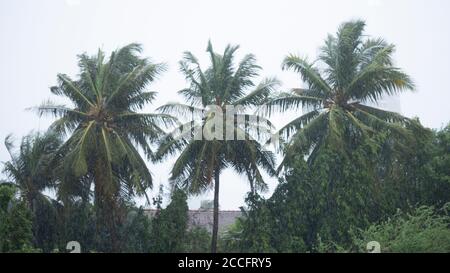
(105, 208)
(252, 188)
(216, 212)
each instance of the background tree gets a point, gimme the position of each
(440, 169)
(138, 231)
(169, 227)
(201, 160)
(31, 171)
(256, 229)
(76, 222)
(15, 222)
(197, 240)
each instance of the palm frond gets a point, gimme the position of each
(289, 101)
(50, 108)
(298, 123)
(376, 81)
(260, 94)
(181, 110)
(66, 87)
(348, 39)
(308, 136)
(308, 73)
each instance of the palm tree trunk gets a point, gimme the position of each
(105, 208)
(216, 212)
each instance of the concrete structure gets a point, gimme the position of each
(204, 218)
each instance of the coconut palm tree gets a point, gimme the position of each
(210, 94)
(105, 128)
(351, 72)
(30, 168)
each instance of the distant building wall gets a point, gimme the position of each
(204, 218)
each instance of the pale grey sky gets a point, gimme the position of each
(42, 38)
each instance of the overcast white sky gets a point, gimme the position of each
(42, 38)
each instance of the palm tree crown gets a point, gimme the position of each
(349, 73)
(105, 126)
(30, 168)
(222, 86)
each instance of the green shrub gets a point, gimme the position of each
(423, 230)
(198, 240)
(15, 223)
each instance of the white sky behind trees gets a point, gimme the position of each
(42, 38)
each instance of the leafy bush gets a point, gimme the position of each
(170, 225)
(137, 231)
(423, 230)
(198, 240)
(15, 223)
(231, 240)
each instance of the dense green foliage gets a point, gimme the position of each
(422, 230)
(198, 240)
(170, 225)
(15, 222)
(305, 214)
